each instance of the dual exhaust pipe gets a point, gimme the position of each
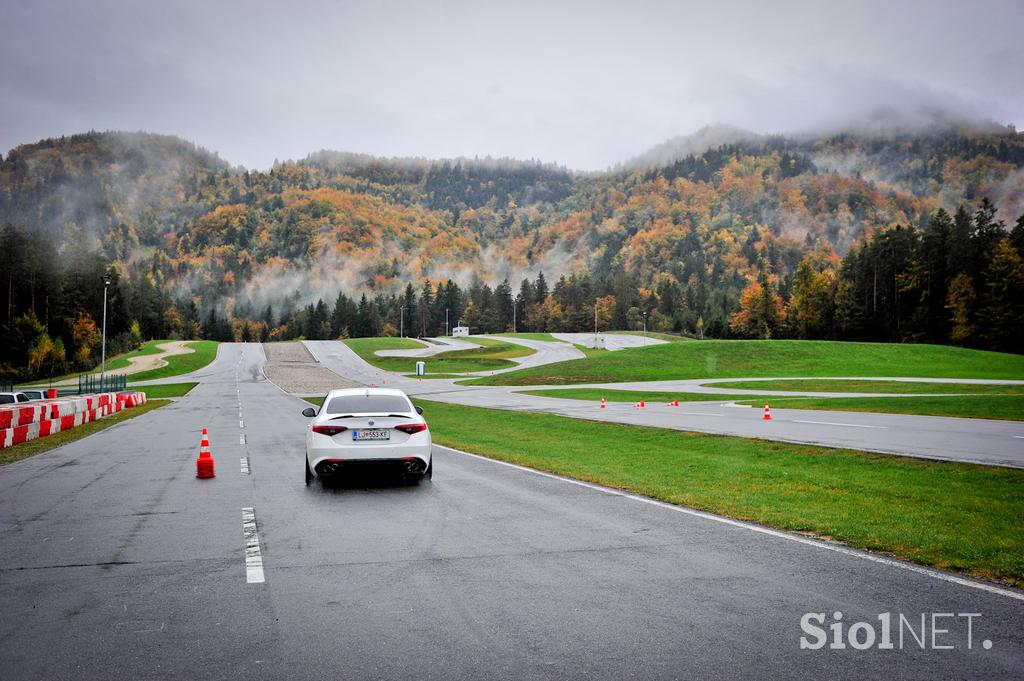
(409, 467)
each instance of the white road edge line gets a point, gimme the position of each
(845, 425)
(253, 557)
(241, 424)
(1018, 437)
(765, 530)
(245, 465)
(241, 439)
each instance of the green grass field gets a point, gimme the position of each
(547, 337)
(595, 395)
(779, 358)
(167, 390)
(494, 355)
(669, 337)
(892, 387)
(205, 352)
(121, 361)
(45, 444)
(114, 362)
(953, 516)
(1003, 407)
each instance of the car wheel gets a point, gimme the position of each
(309, 474)
(429, 473)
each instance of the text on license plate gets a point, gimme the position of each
(367, 434)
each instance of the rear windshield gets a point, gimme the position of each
(369, 404)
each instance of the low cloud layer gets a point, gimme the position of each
(585, 84)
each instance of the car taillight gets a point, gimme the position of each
(329, 430)
(412, 428)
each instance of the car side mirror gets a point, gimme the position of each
(309, 412)
(419, 410)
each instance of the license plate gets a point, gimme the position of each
(371, 434)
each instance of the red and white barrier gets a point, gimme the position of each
(21, 423)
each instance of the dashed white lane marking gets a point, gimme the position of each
(845, 425)
(241, 439)
(1018, 437)
(241, 424)
(253, 557)
(698, 413)
(764, 530)
(245, 465)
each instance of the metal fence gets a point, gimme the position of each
(91, 383)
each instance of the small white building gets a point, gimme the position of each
(460, 331)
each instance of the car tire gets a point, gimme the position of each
(309, 473)
(429, 473)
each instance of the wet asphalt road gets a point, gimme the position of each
(117, 563)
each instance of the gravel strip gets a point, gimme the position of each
(287, 352)
(309, 379)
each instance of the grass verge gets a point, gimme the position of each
(537, 336)
(1002, 407)
(205, 351)
(669, 337)
(831, 385)
(770, 359)
(45, 444)
(166, 390)
(952, 516)
(595, 395)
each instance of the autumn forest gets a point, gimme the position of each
(899, 238)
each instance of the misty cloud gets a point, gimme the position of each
(585, 84)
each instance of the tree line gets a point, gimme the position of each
(958, 279)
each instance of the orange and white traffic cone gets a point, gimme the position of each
(603, 405)
(642, 404)
(767, 413)
(673, 403)
(204, 464)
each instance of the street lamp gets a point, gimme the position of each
(644, 313)
(103, 352)
(513, 315)
(401, 332)
(446, 333)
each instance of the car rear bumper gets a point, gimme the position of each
(331, 467)
(333, 460)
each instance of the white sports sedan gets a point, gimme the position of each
(367, 427)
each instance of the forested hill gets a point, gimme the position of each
(705, 224)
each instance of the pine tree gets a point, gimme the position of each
(1002, 309)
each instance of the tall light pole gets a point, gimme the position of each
(401, 326)
(446, 322)
(644, 313)
(513, 315)
(103, 351)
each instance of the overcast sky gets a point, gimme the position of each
(584, 84)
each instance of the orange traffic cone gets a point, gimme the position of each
(603, 405)
(767, 413)
(204, 464)
(642, 405)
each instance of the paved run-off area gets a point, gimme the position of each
(118, 563)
